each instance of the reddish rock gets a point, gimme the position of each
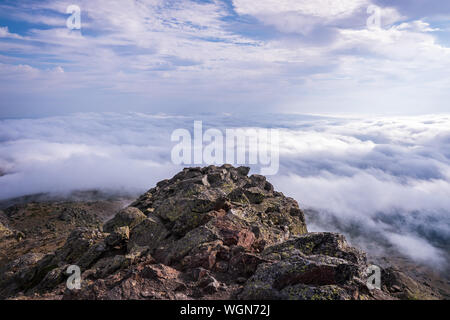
(233, 234)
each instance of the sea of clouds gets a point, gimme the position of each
(383, 181)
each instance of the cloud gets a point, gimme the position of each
(417, 249)
(293, 55)
(4, 33)
(383, 181)
(88, 151)
(417, 25)
(319, 8)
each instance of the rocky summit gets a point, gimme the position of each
(207, 233)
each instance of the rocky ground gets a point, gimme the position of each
(207, 233)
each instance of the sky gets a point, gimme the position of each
(358, 89)
(193, 56)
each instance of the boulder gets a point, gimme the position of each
(315, 265)
(129, 217)
(149, 233)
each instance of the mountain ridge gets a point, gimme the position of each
(207, 233)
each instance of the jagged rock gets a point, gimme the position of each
(312, 260)
(187, 212)
(129, 217)
(83, 247)
(211, 233)
(43, 227)
(149, 233)
(3, 217)
(209, 285)
(186, 201)
(11, 273)
(118, 237)
(144, 280)
(76, 216)
(330, 244)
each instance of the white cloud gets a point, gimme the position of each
(318, 8)
(200, 49)
(4, 33)
(88, 151)
(388, 177)
(418, 26)
(298, 16)
(417, 249)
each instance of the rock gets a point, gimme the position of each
(203, 256)
(241, 280)
(53, 278)
(109, 265)
(245, 264)
(331, 244)
(184, 202)
(149, 233)
(404, 287)
(199, 273)
(129, 217)
(159, 271)
(221, 266)
(212, 288)
(209, 284)
(80, 244)
(77, 215)
(321, 260)
(143, 280)
(211, 233)
(9, 233)
(5, 232)
(118, 237)
(3, 218)
(82, 248)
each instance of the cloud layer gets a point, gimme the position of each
(381, 181)
(385, 182)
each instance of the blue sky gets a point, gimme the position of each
(225, 56)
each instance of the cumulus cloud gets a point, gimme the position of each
(229, 54)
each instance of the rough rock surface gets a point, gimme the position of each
(35, 229)
(207, 233)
